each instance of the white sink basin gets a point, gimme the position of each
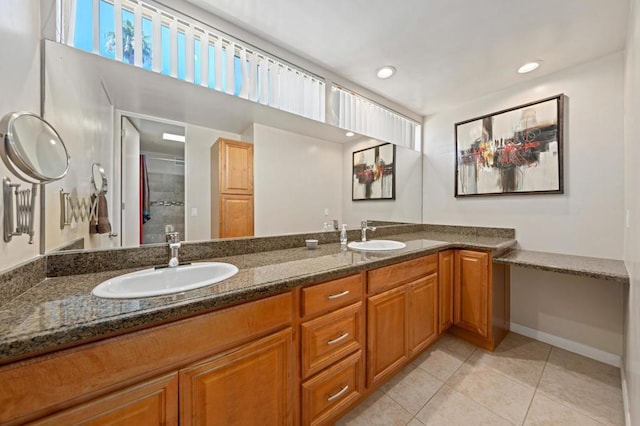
(157, 282)
(376, 245)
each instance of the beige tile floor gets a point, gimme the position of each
(524, 382)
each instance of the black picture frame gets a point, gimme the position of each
(374, 173)
(515, 151)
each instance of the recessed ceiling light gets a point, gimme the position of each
(349, 134)
(528, 67)
(172, 137)
(386, 71)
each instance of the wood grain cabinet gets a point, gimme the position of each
(446, 261)
(423, 313)
(480, 299)
(332, 335)
(402, 315)
(231, 189)
(232, 366)
(153, 402)
(249, 385)
(471, 292)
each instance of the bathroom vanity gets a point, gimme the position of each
(297, 337)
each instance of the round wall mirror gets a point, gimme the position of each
(32, 149)
(98, 179)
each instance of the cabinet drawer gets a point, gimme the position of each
(331, 295)
(390, 276)
(325, 396)
(154, 402)
(330, 337)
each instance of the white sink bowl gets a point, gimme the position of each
(162, 281)
(376, 245)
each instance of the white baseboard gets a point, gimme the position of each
(625, 396)
(570, 345)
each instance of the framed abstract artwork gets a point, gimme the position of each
(514, 151)
(374, 173)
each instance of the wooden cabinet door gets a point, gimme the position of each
(471, 291)
(154, 402)
(236, 216)
(249, 385)
(387, 333)
(445, 289)
(423, 313)
(236, 167)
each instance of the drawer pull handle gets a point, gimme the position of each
(339, 295)
(338, 394)
(338, 339)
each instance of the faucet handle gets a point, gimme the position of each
(173, 237)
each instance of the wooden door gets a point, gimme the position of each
(236, 216)
(471, 291)
(249, 385)
(423, 313)
(445, 289)
(236, 167)
(387, 333)
(154, 402)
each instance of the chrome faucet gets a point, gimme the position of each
(364, 227)
(173, 238)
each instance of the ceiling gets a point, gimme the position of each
(447, 52)
(151, 136)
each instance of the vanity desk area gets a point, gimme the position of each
(296, 337)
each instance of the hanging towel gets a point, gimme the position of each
(93, 217)
(103, 227)
(99, 223)
(144, 191)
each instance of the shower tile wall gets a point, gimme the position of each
(166, 183)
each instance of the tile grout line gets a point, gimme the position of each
(501, 374)
(583, 413)
(535, 390)
(413, 416)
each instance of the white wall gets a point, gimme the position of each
(295, 179)
(407, 207)
(586, 220)
(20, 89)
(564, 306)
(632, 204)
(77, 106)
(198, 179)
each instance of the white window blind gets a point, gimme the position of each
(356, 113)
(218, 61)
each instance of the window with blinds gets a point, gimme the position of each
(144, 35)
(353, 112)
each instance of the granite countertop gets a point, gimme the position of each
(60, 311)
(593, 267)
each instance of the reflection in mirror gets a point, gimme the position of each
(153, 179)
(98, 179)
(302, 168)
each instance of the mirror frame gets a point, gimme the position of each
(97, 167)
(12, 157)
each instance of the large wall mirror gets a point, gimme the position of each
(114, 114)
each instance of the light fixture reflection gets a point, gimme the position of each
(172, 137)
